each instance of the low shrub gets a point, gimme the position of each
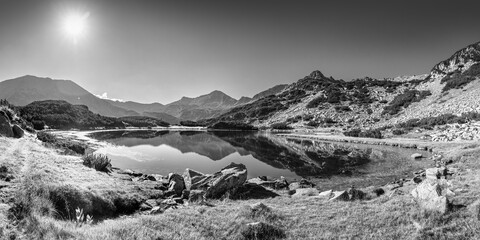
(98, 162)
(314, 124)
(457, 80)
(315, 102)
(398, 132)
(189, 123)
(281, 126)
(261, 230)
(375, 133)
(343, 109)
(232, 126)
(308, 117)
(404, 100)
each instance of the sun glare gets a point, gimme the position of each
(75, 25)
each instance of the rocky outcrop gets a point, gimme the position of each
(216, 185)
(457, 132)
(5, 128)
(229, 178)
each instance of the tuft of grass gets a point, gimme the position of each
(261, 230)
(97, 161)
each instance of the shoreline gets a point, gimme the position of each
(393, 142)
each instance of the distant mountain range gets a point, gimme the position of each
(27, 89)
(451, 87)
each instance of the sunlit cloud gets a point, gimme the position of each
(105, 96)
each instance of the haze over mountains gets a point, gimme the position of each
(24, 90)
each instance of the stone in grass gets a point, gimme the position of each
(261, 230)
(340, 196)
(433, 195)
(326, 194)
(305, 192)
(416, 155)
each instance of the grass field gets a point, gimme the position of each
(31, 207)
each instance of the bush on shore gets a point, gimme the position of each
(232, 126)
(281, 126)
(375, 133)
(98, 162)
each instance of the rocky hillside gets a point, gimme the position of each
(452, 87)
(11, 124)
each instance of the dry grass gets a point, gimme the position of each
(385, 217)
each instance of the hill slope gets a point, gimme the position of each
(24, 90)
(452, 86)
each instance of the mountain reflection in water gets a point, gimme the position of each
(264, 154)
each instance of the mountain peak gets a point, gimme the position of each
(459, 61)
(316, 75)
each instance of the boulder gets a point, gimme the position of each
(433, 195)
(17, 131)
(216, 185)
(175, 184)
(229, 178)
(305, 192)
(340, 196)
(416, 155)
(5, 128)
(194, 179)
(280, 183)
(304, 183)
(326, 194)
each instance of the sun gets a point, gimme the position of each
(75, 25)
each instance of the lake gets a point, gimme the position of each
(264, 154)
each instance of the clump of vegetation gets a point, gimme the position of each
(398, 132)
(457, 80)
(189, 123)
(143, 121)
(97, 161)
(281, 126)
(232, 126)
(430, 122)
(308, 117)
(315, 102)
(62, 115)
(314, 124)
(65, 144)
(404, 100)
(261, 230)
(343, 109)
(375, 133)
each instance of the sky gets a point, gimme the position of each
(158, 51)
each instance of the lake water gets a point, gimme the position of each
(264, 154)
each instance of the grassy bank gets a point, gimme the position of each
(48, 187)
